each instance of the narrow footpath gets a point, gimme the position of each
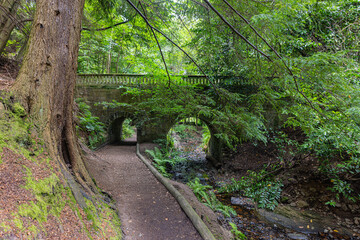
(147, 210)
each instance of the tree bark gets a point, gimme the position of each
(46, 81)
(8, 10)
(108, 62)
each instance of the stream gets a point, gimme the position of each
(254, 223)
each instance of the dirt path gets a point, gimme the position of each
(147, 209)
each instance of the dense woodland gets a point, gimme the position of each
(299, 58)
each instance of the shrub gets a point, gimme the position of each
(90, 124)
(264, 190)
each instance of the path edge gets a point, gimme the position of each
(198, 223)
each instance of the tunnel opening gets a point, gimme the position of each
(188, 145)
(123, 131)
(128, 131)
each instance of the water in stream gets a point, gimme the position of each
(248, 219)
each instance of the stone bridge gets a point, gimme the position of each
(95, 88)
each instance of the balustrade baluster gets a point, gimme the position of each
(121, 80)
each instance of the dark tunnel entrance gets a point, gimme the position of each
(123, 131)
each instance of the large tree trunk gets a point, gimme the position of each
(7, 24)
(46, 81)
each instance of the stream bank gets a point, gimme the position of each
(299, 214)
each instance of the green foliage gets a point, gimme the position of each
(261, 188)
(331, 203)
(232, 122)
(237, 234)
(16, 44)
(127, 129)
(160, 161)
(314, 87)
(206, 136)
(130, 47)
(183, 130)
(164, 160)
(209, 198)
(90, 124)
(286, 147)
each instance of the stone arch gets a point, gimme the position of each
(215, 154)
(114, 125)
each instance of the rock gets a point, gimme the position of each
(338, 205)
(244, 202)
(292, 180)
(326, 230)
(348, 221)
(353, 208)
(357, 221)
(302, 204)
(297, 236)
(235, 201)
(344, 207)
(323, 198)
(293, 204)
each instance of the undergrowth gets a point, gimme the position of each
(206, 195)
(127, 130)
(91, 125)
(260, 186)
(164, 160)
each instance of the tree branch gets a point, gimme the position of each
(236, 31)
(105, 28)
(277, 54)
(159, 46)
(256, 32)
(164, 35)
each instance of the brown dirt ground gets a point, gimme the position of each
(8, 72)
(13, 194)
(147, 210)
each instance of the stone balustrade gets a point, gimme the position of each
(139, 80)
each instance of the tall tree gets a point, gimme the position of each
(46, 81)
(7, 20)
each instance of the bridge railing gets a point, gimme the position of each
(139, 79)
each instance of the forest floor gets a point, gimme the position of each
(8, 72)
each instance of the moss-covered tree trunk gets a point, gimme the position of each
(7, 24)
(45, 84)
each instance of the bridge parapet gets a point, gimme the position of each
(146, 80)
